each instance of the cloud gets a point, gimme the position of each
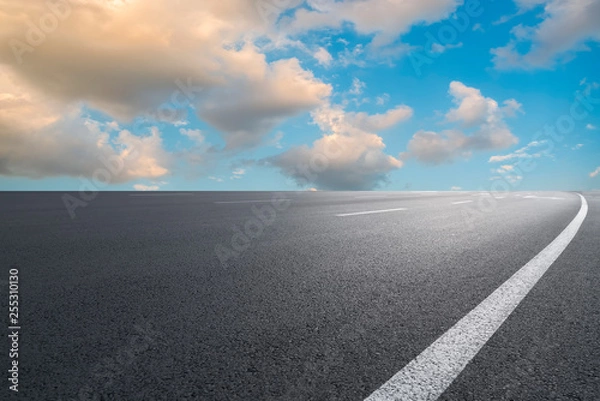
(357, 87)
(165, 60)
(474, 112)
(381, 100)
(591, 127)
(577, 147)
(248, 111)
(566, 27)
(379, 122)
(478, 28)
(193, 134)
(505, 168)
(142, 187)
(439, 48)
(595, 172)
(455, 189)
(522, 153)
(384, 19)
(323, 57)
(237, 174)
(40, 137)
(346, 157)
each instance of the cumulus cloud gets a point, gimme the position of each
(40, 137)
(249, 110)
(473, 112)
(347, 156)
(134, 58)
(566, 28)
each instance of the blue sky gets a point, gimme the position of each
(290, 94)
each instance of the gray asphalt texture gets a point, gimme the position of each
(129, 301)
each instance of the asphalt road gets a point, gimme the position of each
(324, 296)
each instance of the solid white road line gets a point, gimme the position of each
(249, 201)
(461, 202)
(369, 212)
(428, 375)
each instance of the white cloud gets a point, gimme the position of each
(577, 147)
(323, 56)
(595, 172)
(346, 157)
(439, 48)
(387, 20)
(455, 189)
(357, 87)
(513, 179)
(379, 122)
(478, 28)
(381, 100)
(237, 174)
(473, 111)
(193, 134)
(522, 153)
(566, 27)
(142, 187)
(591, 127)
(217, 179)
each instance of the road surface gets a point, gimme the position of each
(304, 296)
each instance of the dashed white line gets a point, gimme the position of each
(370, 212)
(248, 201)
(541, 197)
(427, 376)
(461, 202)
(162, 194)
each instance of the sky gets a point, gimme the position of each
(300, 95)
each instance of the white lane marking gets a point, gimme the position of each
(541, 197)
(162, 194)
(249, 201)
(427, 376)
(461, 202)
(369, 212)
